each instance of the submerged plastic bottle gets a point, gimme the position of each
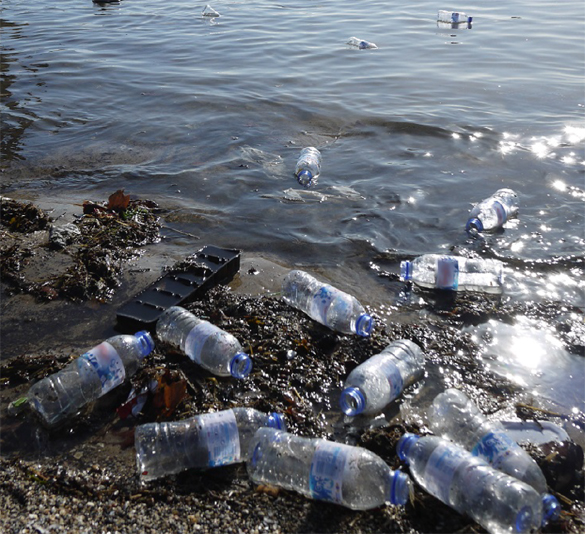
(206, 440)
(375, 383)
(497, 501)
(308, 166)
(454, 17)
(492, 213)
(353, 477)
(326, 304)
(88, 377)
(361, 44)
(207, 345)
(454, 416)
(455, 273)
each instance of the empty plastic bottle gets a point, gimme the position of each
(454, 416)
(455, 273)
(454, 17)
(326, 304)
(492, 213)
(88, 377)
(375, 383)
(207, 345)
(324, 470)
(467, 483)
(206, 440)
(208, 11)
(361, 44)
(308, 166)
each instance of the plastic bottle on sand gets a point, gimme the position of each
(308, 166)
(497, 501)
(492, 213)
(203, 441)
(207, 345)
(326, 304)
(88, 377)
(375, 383)
(454, 416)
(454, 273)
(324, 470)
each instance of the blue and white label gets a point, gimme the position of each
(494, 448)
(441, 467)
(197, 338)
(322, 301)
(106, 361)
(223, 439)
(500, 212)
(447, 273)
(327, 468)
(392, 373)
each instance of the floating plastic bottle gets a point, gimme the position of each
(498, 502)
(89, 377)
(308, 166)
(454, 17)
(454, 416)
(454, 273)
(374, 384)
(353, 477)
(208, 11)
(361, 44)
(203, 441)
(492, 213)
(207, 345)
(326, 304)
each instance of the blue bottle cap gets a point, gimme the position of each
(276, 420)
(551, 509)
(240, 365)
(145, 343)
(305, 178)
(404, 445)
(474, 226)
(352, 401)
(400, 488)
(406, 270)
(364, 324)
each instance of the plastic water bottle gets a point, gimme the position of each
(493, 212)
(467, 483)
(207, 345)
(88, 377)
(454, 273)
(361, 44)
(203, 441)
(454, 416)
(374, 384)
(308, 166)
(326, 304)
(454, 17)
(324, 470)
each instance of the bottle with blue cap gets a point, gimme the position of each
(454, 17)
(498, 502)
(326, 304)
(89, 377)
(324, 470)
(454, 273)
(362, 44)
(454, 416)
(492, 213)
(203, 441)
(308, 166)
(207, 345)
(375, 383)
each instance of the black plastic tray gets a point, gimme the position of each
(211, 266)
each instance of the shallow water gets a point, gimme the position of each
(207, 116)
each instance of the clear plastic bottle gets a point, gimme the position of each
(375, 383)
(88, 377)
(454, 17)
(308, 166)
(326, 304)
(492, 213)
(454, 416)
(361, 44)
(203, 441)
(207, 345)
(455, 273)
(353, 477)
(497, 501)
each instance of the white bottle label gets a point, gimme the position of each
(447, 273)
(197, 338)
(327, 468)
(322, 300)
(392, 373)
(440, 468)
(223, 438)
(107, 362)
(500, 213)
(494, 448)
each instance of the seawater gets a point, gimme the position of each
(207, 116)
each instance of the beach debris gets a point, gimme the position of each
(361, 43)
(208, 11)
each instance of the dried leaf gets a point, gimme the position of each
(118, 201)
